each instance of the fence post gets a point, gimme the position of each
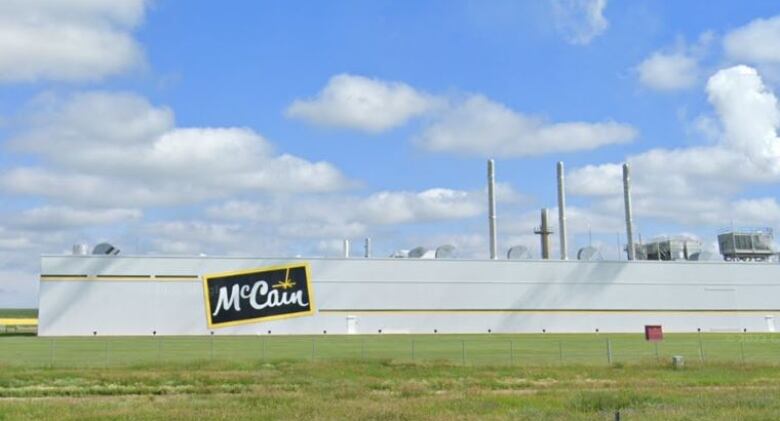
(657, 355)
(511, 354)
(701, 348)
(609, 352)
(560, 351)
(742, 348)
(51, 353)
(463, 351)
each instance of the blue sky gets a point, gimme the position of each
(281, 128)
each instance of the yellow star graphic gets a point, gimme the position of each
(286, 284)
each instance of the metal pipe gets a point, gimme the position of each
(562, 212)
(80, 249)
(544, 232)
(367, 247)
(492, 208)
(629, 217)
(346, 248)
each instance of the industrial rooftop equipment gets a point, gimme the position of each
(671, 248)
(747, 244)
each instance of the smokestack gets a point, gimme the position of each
(367, 247)
(629, 217)
(544, 232)
(492, 208)
(562, 212)
(346, 248)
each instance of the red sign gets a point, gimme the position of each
(654, 333)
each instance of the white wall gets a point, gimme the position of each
(409, 295)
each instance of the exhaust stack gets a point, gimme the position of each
(346, 248)
(629, 217)
(544, 233)
(562, 212)
(367, 247)
(492, 208)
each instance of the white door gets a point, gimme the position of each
(352, 325)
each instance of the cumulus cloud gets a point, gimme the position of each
(469, 125)
(677, 68)
(482, 127)
(73, 40)
(18, 289)
(580, 21)
(749, 115)
(668, 72)
(59, 217)
(697, 184)
(272, 225)
(358, 102)
(133, 155)
(380, 208)
(757, 42)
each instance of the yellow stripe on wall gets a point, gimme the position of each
(19, 322)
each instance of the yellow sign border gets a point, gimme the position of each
(207, 303)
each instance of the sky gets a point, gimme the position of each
(267, 128)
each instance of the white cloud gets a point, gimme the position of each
(580, 21)
(133, 155)
(58, 217)
(482, 127)
(668, 72)
(357, 102)
(757, 211)
(758, 42)
(73, 40)
(354, 214)
(677, 68)
(18, 289)
(697, 185)
(749, 115)
(473, 125)
(433, 204)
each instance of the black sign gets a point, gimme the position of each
(258, 294)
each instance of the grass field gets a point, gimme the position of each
(495, 349)
(21, 313)
(387, 390)
(391, 377)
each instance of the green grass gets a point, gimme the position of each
(390, 390)
(474, 350)
(390, 377)
(21, 313)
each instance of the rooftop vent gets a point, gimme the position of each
(446, 251)
(589, 253)
(105, 249)
(518, 253)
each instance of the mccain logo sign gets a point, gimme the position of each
(256, 295)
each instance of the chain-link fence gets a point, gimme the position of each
(491, 349)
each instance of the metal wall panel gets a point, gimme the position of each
(409, 295)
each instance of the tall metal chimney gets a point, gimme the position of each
(346, 248)
(367, 247)
(562, 212)
(544, 232)
(492, 208)
(629, 217)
